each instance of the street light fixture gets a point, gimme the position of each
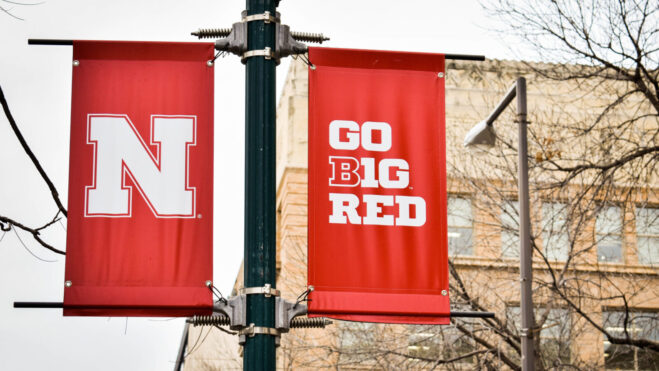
(483, 134)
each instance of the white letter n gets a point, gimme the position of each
(120, 151)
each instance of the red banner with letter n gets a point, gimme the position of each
(140, 218)
(377, 187)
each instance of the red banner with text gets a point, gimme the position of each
(140, 218)
(377, 187)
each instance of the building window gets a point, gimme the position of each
(444, 342)
(639, 326)
(555, 337)
(356, 341)
(460, 226)
(608, 229)
(647, 232)
(424, 342)
(510, 229)
(355, 335)
(554, 333)
(555, 237)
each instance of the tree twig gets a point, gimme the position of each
(35, 233)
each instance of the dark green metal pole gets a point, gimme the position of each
(260, 192)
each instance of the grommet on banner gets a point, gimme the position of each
(440, 75)
(76, 63)
(68, 284)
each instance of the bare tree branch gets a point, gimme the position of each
(34, 232)
(28, 151)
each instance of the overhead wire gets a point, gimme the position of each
(28, 250)
(195, 346)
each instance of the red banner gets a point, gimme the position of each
(377, 187)
(140, 223)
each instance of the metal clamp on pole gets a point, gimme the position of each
(265, 17)
(267, 289)
(252, 330)
(267, 53)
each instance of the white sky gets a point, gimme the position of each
(37, 83)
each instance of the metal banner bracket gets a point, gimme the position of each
(285, 311)
(234, 40)
(233, 313)
(235, 308)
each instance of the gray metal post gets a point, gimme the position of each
(180, 357)
(483, 134)
(526, 253)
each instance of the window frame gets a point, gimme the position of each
(601, 237)
(551, 234)
(470, 248)
(645, 234)
(621, 350)
(511, 230)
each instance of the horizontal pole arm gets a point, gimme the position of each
(510, 95)
(49, 42)
(463, 57)
(473, 314)
(38, 304)
(46, 304)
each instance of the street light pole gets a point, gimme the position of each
(526, 253)
(260, 188)
(483, 133)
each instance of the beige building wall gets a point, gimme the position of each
(472, 89)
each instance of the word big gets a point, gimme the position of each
(392, 173)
